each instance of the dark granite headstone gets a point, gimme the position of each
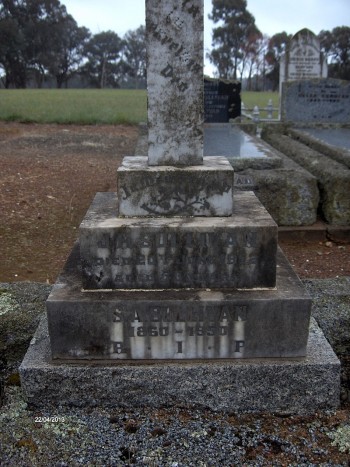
(316, 101)
(222, 100)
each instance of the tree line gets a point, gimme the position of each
(240, 49)
(40, 43)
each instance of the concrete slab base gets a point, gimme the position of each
(302, 385)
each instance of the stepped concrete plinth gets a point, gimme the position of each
(202, 190)
(237, 251)
(279, 385)
(178, 324)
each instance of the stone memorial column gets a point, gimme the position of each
(175, 82)
(175, 179)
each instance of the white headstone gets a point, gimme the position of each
(304, 59)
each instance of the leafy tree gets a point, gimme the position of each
(134, 55)
(336, 47)
(37, 36)
(58, 42)
(256, 64)
(277, 47)
(13, 43)
(233, 39)
(103, 67)
(65, 56)
(251, 55)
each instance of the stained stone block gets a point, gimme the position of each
(302, 385)
(175, 85)
(178, 252)
(178, 324)
(203, 190)
(333, 178)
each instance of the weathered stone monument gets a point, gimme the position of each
(303, 59)
(316, 101)
(176, 293)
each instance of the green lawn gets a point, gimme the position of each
(261, 99)
(82, 106)
(90, 106)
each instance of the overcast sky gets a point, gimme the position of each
(271, 16)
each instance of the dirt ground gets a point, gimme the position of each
(49, 175)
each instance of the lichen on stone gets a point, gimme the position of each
(7, 302)
(341, 438)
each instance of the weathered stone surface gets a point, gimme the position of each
(244, 182)
(333, 178)
(289, 193)
(290, 196)
(178, 252)
(175, 82)
(178, 324)
(198, 267)
(323, 100)
(202, 190)
(331, 309)
(222, 100)
(21, 306)
(278, 385)
(316, 138)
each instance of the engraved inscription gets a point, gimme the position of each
(172, 332)
(177, 51)
(326, 92)
(175, 260)
(320, 100)
(305, 58)
(221, 100)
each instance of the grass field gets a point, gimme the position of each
(261, 99)
(90, 106)
(81, 106)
